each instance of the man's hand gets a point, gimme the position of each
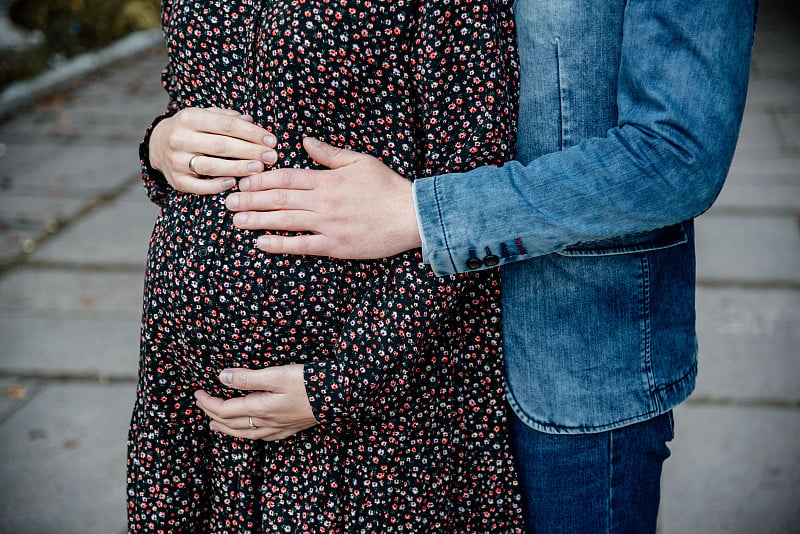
(279, 408)
(218, 144)
(359, 209)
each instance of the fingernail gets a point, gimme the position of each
(244, 185)
(262, 242)
(240, 219)
(227, 183)
(313, 141)
(270, 157)
(213, 427)
(226, 377)
(270, 140)
(232, 201)
(255, 166)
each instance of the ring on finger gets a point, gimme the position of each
(252, 424)
(191, 164)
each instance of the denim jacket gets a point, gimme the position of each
(629, 115)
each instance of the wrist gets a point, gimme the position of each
(155, 142)
(409, 229)
(416, 232)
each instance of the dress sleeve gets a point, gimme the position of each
(155, 183)
(465, 77)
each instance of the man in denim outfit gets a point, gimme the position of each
(629, 115)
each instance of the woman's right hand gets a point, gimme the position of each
(227, 145)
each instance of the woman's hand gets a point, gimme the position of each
(218, 144)
(279, 408)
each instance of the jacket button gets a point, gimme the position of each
(491, 260)
(473, 262)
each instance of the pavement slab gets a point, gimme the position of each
(72, 293)
(14, 394)
(68, 450)
(749, 341)
(64, 170)
(773, 94)
(94, 348)
(734, 470)
(774, 199)
(760, 136)
(115, 234)
(789, 124)
(749, 250)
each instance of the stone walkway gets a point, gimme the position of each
(74, 228)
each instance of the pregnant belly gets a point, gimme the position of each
(229, 304)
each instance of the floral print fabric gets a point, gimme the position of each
(403, 369)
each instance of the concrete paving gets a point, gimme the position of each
(74, 227)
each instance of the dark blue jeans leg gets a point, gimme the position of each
(608, 482)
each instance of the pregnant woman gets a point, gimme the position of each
(402, 370)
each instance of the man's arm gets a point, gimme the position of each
(680, 96)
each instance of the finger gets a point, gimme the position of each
(268, 379)
(230, 147)
(330, 156)
(262, 433)
(272, 199)
(231, 112)
(283, 219)
(244, 116)
(229, 125)
(297, 179)
(238, 423)
(302, 245)
(205, 165)
(237, 408)
(189, 183)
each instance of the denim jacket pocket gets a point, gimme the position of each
(661, 238)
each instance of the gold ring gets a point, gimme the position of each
(191, 164)
(252, 425)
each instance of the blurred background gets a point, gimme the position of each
(80, 82)
(42, 34)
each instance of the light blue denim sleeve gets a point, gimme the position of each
(680, 73)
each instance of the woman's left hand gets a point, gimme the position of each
(277, 409)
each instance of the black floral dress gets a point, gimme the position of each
(403, 369)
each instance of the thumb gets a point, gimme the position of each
(248, 379)
(330, 156)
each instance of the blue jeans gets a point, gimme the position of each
(606, 482)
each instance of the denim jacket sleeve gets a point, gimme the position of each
(677, 85)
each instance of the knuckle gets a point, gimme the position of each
(280, 198)
(185, 115)
(172, 160)
(287, 179)
(175, 140)
(248, 201)
(240, 379)
(222, 145)
(256, 181)
(286, 219)
(227, 125)
(304, 244)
